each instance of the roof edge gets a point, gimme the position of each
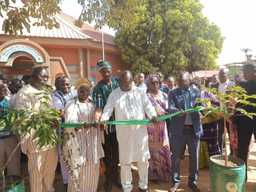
(73, 27)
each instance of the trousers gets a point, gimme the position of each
(245, 129)
(111, 160)
(8, 144)
(41, 167)
(126, 176)
(177, 145)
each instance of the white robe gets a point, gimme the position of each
(132, 139)
(84, 145)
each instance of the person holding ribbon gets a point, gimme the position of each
(82, 147)
(130, 103)
(184, 130)
(160, 161)
(100, 95)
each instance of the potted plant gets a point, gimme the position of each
(227, 173)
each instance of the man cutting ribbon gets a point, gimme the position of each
(130, 103)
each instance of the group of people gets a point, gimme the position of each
(156, 148)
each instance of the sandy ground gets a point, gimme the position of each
(204, 179)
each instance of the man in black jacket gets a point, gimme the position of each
(245, 125)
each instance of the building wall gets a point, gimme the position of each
(71, 60)
(70, 55)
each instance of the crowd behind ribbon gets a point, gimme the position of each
(157, 149)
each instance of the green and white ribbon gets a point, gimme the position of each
(134, 122)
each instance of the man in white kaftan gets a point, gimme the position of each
(130, 103)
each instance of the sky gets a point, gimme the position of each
(234, 17)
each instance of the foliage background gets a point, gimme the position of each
(169, 36)
(153, 35)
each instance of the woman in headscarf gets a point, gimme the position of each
(160, 162)
(82, 148)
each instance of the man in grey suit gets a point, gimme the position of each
(185, 129)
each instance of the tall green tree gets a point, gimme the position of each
(170, 35)
(22, 14)
(115, 13)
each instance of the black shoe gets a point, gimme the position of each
(174, 187)
(193, 187)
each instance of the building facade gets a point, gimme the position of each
(68, 49)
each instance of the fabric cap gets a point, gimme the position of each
(103, 65)
(83, 82)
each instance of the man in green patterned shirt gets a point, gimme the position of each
(100, 95)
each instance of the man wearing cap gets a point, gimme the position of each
(100, 95)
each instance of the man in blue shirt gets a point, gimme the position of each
(61, 96)
(184, 130)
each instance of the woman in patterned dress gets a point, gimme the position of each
(160, 162)
(82, 148)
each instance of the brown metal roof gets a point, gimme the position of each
(89, 30)
(65, 31)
